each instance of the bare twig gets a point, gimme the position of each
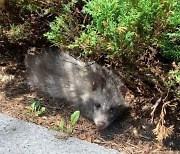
(84, 20)
(154, 108)
(166, 95)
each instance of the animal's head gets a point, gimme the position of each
(108, 103)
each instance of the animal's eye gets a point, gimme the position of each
(97, 105)
(112, 109)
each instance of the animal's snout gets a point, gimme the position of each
(101, 125)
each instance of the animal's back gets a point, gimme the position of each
(60, 75)
(93, 89)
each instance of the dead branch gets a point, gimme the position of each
(154, 108)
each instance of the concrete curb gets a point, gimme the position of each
(20, 137)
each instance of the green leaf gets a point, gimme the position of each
(74, 1)
(69, 129)
(178, 78)
(27, 111)
(35, 104)
(37, 113)
(75, 117)
(55, 128)
(61, 125)
(43, 109)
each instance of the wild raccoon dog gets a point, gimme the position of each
(91, 88)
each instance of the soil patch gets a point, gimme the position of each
(131, 133)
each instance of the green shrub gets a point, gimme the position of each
(171, 50)
(64, 28)
(171, 37)
(108, 29)
(26, 5)
(173, 80)
(174, 11)
(18, 32)
(120, 27)
(174, 76)
(55, 35)
(128, 27)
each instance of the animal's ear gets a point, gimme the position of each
(123, 90)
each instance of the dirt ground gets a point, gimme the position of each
(131, 133)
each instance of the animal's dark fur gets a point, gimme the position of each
(92, 89)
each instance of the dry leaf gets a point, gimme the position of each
(88, 137)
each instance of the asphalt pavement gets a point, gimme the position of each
(20, 137)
